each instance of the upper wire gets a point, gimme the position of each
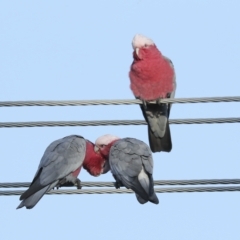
(114, 122)
(115, 102)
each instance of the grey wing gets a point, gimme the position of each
(172, 95)
(131, 164)
(61, 157)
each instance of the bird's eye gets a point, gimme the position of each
(101, 146)
(145, 45)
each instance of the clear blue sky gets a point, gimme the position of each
(77, 50)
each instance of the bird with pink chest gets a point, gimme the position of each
(60, 166)
(152, 78)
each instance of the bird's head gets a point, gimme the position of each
(142, 47)
(104, 143)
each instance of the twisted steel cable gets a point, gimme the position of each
(121, 191)
(156, 183)
(114, 122)
(115, 102)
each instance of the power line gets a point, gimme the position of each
(156, 183)
(121, 191)
(122, 122)
(114, 122)
(115, 102)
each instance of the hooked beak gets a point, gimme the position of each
(137, 51)
(96, 149)
(136, 54)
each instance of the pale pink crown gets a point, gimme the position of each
(141, 41)
(106, 139)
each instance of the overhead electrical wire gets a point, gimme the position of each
(123, 122)
(114, 122)
(156, 183)
(124, 190)
(114, 102)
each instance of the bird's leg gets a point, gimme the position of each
(163, 107)
(64, 183)
(78, 183)
(67, 184)
(158, 101)
(118, 184)
(144, 104)
(60, 183)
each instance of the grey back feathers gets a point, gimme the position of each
(131, 164)
(60, 159)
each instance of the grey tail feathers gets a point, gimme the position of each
(32, 200)
(34, 187)
(146, 183)
(154, 198)
(156, 116)
(158, 144)
(140, 200)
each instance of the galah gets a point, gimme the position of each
(60, 165)
(152, 78)
(131, 164)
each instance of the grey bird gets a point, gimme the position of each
(131, 164)
(59, 166)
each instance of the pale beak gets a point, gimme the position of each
(96, 149)
(137, 50)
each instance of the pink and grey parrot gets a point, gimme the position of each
(152, 78)
(60, 165)
(131, 164)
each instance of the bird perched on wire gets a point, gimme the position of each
(60, 165)
(131, 164)
(152, 78)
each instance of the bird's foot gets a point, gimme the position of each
(61, 183)
(78, 184)
(64, 183)
(159, 101)
(144, 104)
(117, 185)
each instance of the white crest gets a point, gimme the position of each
(105, 139)
(141, 41)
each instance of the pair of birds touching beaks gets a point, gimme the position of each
(130, 160)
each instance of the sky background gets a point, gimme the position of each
(79, 50)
